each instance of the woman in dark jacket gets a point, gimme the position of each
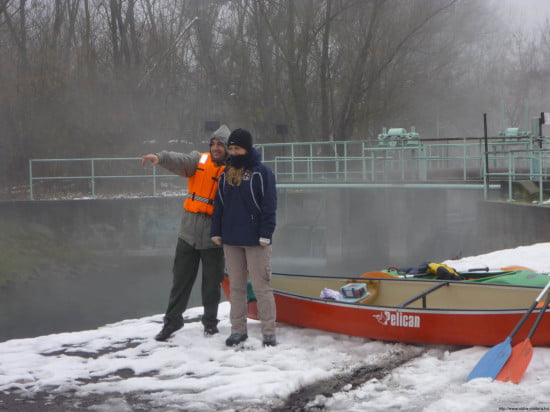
(244, 221)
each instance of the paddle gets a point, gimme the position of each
(517, 268)
(379, 274)
(494, 359)
(504, 269)
(522, 353)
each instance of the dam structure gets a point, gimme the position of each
(94, 242)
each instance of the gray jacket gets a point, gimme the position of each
(194, 227)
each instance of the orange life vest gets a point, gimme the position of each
(202, 186)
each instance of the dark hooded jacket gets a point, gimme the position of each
(243, 214)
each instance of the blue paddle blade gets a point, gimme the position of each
(493, 361)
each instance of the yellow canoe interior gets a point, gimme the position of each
(394, 293)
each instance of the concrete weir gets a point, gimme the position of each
(353, 229)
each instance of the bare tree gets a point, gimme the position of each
(98, 77)
(324, 77)
(19, 34)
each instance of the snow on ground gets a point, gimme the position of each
(125, 369)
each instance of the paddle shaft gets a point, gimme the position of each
(526, 315)
(522, 353)
(495, 358)
(539, 317)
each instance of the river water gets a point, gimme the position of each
(130, 275)
(85, 297)
(110, 289)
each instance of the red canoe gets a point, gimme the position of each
(408, 310)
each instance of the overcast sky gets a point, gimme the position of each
(525, 13)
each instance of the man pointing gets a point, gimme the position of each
(194, 244)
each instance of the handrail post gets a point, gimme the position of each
(486, 155)
(345, 161)
(292, 161)
(540, 177)
(309, 163)
(30, 180)
(484, 180)
(336, 160)
(533, 167)
(373, 165)
(154, 181)
(363, 162)
(465, 159)
(93, 177)
(422, 163)
(510, 176)
(402, 160)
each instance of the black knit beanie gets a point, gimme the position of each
(241, 138)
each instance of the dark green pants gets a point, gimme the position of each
(185, 269)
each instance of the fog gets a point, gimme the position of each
(178, 66)
(65, 94)
(526, 16)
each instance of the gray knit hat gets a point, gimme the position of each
(221, 134)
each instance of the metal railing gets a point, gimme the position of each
(445, 161)
(354, 160)
(523, 165)
(92, 170)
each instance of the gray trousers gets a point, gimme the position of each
(254, 263)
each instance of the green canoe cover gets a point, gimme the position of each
(513, 277)
(518, 278)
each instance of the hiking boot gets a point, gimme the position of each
(210, 330)
(167, 330)
(269, 340)
(236, 338)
